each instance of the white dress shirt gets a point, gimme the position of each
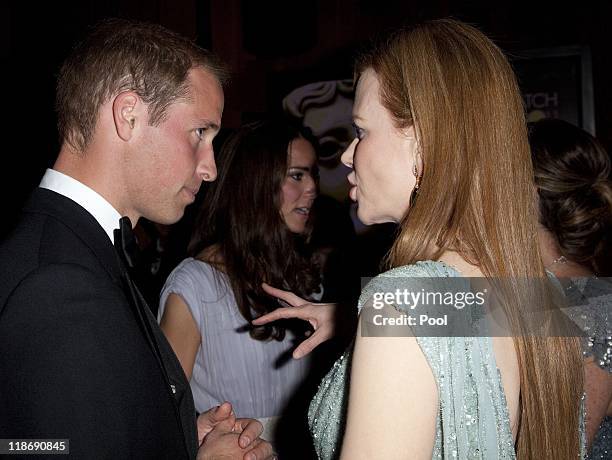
(107, 216)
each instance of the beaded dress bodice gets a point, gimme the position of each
(472, 421)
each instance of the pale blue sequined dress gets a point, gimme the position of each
(473, 420)
(590, 301)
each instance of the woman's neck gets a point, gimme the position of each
(455, 260)
(553, 259)
(212, 255)
(549, 248)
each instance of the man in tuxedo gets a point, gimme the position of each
(81, 356)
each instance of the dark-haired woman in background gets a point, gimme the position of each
(572, 172)
(252, 228)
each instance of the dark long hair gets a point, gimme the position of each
(241, 215)
(572, 173)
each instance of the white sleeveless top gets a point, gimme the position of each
(257, 377)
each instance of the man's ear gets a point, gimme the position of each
(128, 113)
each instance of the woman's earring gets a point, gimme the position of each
(415, 190)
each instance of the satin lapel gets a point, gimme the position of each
(172, 371)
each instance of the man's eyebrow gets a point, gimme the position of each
(208, 124)
(357, 117)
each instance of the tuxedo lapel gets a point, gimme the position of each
(82, 224)
(169, 365)
(87, 229)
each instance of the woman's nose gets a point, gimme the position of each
(310, 186)
(347, 156)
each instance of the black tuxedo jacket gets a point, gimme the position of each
(81, 356)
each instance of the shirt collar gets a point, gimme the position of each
(93, 202)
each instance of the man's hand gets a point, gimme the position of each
(222, 436)
(222, 444)
(212, 417)
(321, 317)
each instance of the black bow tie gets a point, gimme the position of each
(126, 244)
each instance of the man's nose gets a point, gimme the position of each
(207, 168)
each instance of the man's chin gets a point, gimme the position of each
(168, 218)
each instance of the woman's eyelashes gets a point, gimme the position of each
(299, 174)
(296, 175)
(359, 132)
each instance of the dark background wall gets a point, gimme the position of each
(271, 46)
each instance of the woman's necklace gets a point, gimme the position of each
(558, 260)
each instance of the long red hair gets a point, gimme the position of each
(477, 197)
